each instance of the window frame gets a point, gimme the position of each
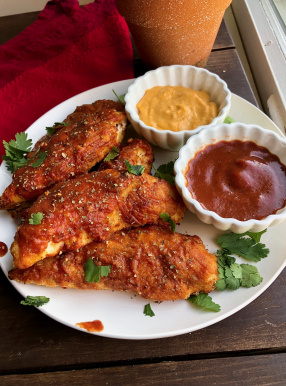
(265, 47)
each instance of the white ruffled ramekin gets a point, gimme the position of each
(227, 132)
(176, 75)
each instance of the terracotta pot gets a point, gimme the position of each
(173, 31)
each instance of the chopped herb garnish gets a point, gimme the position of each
(246, 245)
(148, 310)
(134, 169)
(16, 151)
(166, 172)
(228, 119)
(94, 272)
(167, 218)
(112, 154)
(204, 301)
(231, 274)
(120, 98)
(35, 301)
(36, 218)
(40, 159)
(51, 130)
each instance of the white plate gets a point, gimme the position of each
(122, 313)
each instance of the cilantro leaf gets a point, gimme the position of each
(51, 129)
(233, 275)
(112, 154)
(40, 159)
(119, 98)
(36, 218)
(167, 218)
(250, 276)
(232, 283)
(148, 310)
(166, 172)
(228, 119)
(221, 285)
(94, 272)
(35, 301)
(16, 150)
(244, 245)
(204, 301)
(134, 169)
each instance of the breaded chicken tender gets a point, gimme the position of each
(91, 208)
(151, 261)
(136, 152)
(86, 137)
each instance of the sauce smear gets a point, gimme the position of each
(3, 249)
(238, 179)
(93, 326)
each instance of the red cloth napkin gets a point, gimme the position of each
(67, 50)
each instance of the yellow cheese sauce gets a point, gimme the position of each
(176, 108)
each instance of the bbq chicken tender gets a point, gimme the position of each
(151, 261)
(91, 208)
(136, 152)
(86, 137)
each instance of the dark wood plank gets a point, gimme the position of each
(30, 340)
(253, 370)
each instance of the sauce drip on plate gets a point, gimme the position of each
(237, 179)
(93, 326)
(3, 249)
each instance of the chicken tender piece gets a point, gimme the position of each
(136, 152)
(151, 261)
(91, 132)
(91, 208)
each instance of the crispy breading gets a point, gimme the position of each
(136, 152)
(92, 207)
(151, 261)
(71, 151)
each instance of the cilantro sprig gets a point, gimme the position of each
(94, 272)
(51, 129)
(16, 151)
(166, 172)
(246, 245)
(35, 301)
(167, 218)
(228, 119)
(114, 152)
(120, 98)
(204, 301)
(36, 218)
(148, 310)
(233, 275)
(137, 170)
(40, 158)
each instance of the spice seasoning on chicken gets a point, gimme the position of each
(238, 180)
(176, 108)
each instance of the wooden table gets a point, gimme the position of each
(248, 348)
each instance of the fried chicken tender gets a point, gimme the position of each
(91, 132)
(91, 208)
(151, 261)
(136, 152)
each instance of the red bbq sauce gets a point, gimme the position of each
(238, 180)
(94, 326)
(3, 249)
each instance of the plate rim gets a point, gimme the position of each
(156, 335)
